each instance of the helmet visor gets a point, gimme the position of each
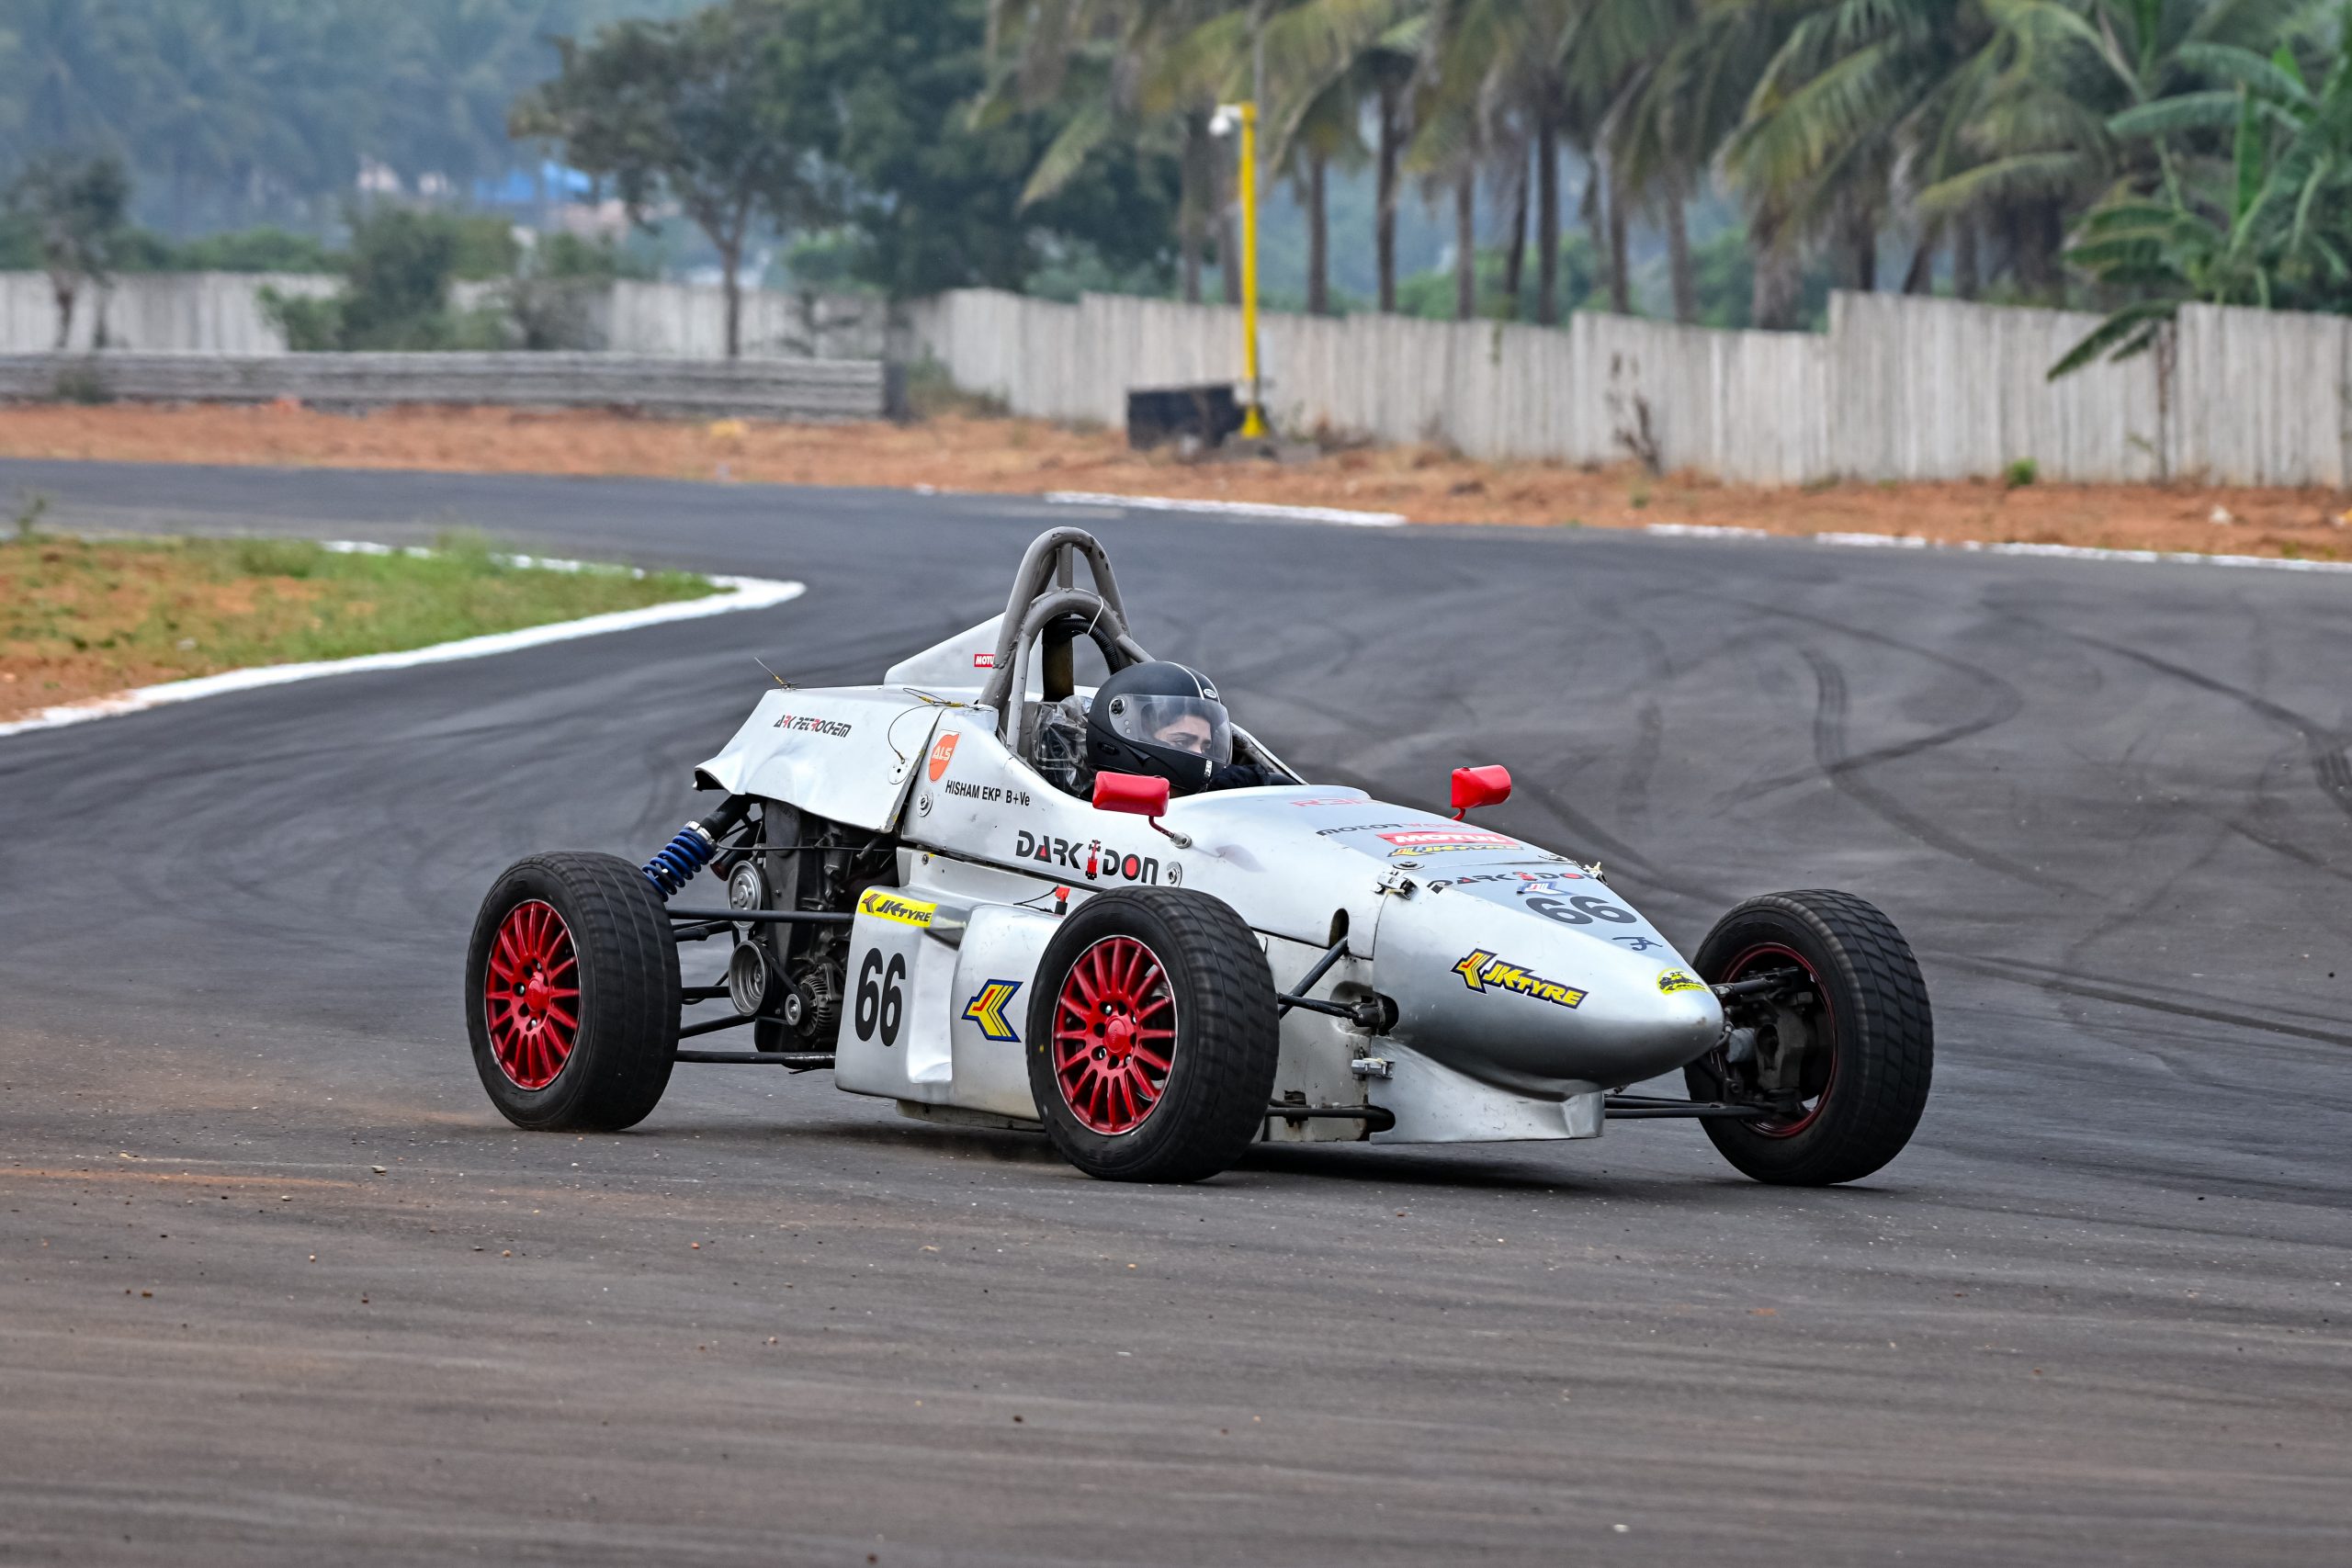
(1196, 726)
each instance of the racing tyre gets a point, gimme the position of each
(1152, 1035)
(1843, 1048)
(571, 993)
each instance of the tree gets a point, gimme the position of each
(1112, 71)
(1329, 65)
(2268, 223)
(398, 270)
(76, 207)
(934, 195)
(719, 112)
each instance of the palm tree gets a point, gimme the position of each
(1118, 68)
(1329, 63)
(2240, 178)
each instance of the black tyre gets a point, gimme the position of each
(1841, 1049)
(571, 993)
(1152, 1036)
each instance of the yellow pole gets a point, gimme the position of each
(1253, 419)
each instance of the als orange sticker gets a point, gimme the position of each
(941, 755)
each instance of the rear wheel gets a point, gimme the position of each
(571, 993)
(1152, 1036)
(1838, 1043)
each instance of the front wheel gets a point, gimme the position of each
(1152, 1035)
(571, 993)
(1832, 1038)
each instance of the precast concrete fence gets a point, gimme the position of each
(220, 312)
(763, 389)
(168, 312)
(1899, 387)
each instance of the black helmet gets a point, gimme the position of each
(1163, 720)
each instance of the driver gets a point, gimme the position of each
(1164, 720)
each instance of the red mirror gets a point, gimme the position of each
(1143, 796)
(1473, 788)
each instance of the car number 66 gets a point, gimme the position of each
(1580, 910)
(880, 997)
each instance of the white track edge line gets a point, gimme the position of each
(1706, 531)
(737, 593)
(2004, 547)
(1265, 509)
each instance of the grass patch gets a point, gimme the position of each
(80, 617)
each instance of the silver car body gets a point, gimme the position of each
(1524, 988)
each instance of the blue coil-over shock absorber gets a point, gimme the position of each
(695, 846)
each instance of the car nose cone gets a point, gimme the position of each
(1540, 1002)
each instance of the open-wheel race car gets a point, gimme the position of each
(1001, 898)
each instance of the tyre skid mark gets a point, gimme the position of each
(1829, 750)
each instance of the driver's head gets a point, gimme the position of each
(1159, 720)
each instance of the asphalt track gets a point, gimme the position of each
(2096, 1313)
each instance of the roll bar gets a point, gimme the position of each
(1045, 589)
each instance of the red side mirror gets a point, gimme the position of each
(1473, 788)
(1138, 793)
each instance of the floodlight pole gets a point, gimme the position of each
(1253, 419)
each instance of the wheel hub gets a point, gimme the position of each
(1792, 1063)
(531, 996)
(1115, 1035)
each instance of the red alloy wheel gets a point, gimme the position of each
(1773, 955)
(1115, 1035)
(531, 995)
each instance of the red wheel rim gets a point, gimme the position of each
(1757, 958)
(531, 995)
(1115, 1035)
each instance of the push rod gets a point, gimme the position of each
(803, 1060)
(766, 917)
(1297, 998)
(715, 1025)
(1378, 1119)
(1643, 1108)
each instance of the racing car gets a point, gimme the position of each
(947, 891)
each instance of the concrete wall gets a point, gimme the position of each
(767, 389)
(1899, 387)
(218, 312)
(166, 312)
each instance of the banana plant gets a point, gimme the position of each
(2269, 225)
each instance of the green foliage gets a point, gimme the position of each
(398, 270)
(2245, 198)
(231, 112)
(722, 112)
(568, 257)
(263, 248)
(75, 210)
(2020, 473)
(936, 192)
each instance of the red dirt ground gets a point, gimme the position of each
(965, 453)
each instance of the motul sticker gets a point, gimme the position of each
(1430, 838)
(984, 661)
(941, 755)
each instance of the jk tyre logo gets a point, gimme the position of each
(1482, 971)
(884, 905)
(987, 1010)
